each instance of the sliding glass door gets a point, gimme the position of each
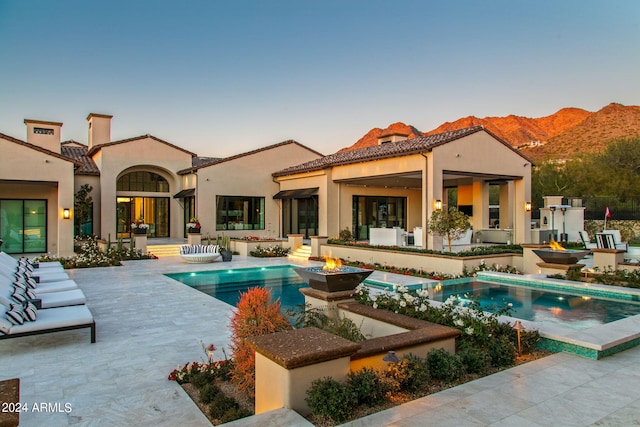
(23, 226)
(377, 212)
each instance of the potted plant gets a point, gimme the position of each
(139, 226)
(193, 226)
(224, 242)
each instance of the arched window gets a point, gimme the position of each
(142, 181)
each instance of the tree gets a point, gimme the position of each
(83, 206)
(450, 223)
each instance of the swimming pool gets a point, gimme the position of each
(573, 310)
(226, 285)
(568, 309)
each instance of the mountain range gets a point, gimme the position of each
(559, 136)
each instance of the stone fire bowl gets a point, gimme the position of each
(568, 256)
(345, 279)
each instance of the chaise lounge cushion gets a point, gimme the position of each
(53, 318)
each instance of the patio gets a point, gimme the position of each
(148, 324)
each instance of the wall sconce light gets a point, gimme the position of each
(437, 205)
(66, 213)
(527, 206)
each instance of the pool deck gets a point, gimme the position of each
(148, 324)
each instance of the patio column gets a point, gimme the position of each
(480, 205)
(506, 205)
(521, 218)
(431, 191)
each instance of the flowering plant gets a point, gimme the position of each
(194, 222)
(218, 368)
(139, 223)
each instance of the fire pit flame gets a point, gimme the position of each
(556, 246)
(332, 264)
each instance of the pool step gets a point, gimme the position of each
(302, 253)
(164, 250)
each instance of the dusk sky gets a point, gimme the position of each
(220, 78)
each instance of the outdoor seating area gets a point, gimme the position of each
(199, 254)
(33, 302)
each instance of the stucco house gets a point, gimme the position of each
(139, 177)
(285, 188)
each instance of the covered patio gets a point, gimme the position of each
(399, 185)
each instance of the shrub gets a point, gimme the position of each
(529, 340)
(444, 366)
(208, 393)
(270, 251)
(200, 379)
(221, 404)
(474, 359)
(234, 414)
(345, 235)
(410, 373)
(255, 315)
(368, 386)
(329, 398)
(344, 328)
(502, 352)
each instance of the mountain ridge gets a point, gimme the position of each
(558, 136)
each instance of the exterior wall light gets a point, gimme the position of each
(437, 205)
(527, 206)
(66, 213)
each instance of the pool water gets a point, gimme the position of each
(570, 310)
(226, 285)
(566, 309)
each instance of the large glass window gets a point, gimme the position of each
(377, 212)
(154, 210)
(23, 226)
(143, 181)
(239, 213)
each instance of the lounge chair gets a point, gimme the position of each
(49, 320)
(617, 239)
(198, 254)
(610, 239)
(39, 276)
(47, 299)
(61, 285)
(9, 260)
(586, 240)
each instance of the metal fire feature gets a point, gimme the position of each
(567, 256)
(340, 279)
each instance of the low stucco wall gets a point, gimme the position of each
(425, 262)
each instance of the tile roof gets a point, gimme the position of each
(215, 161)
(38, 148)
(135, 138)
(392, 149)
(78, 152)
(199, 161)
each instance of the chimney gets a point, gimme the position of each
(44, 134)
(392, 137)
(99, 129)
